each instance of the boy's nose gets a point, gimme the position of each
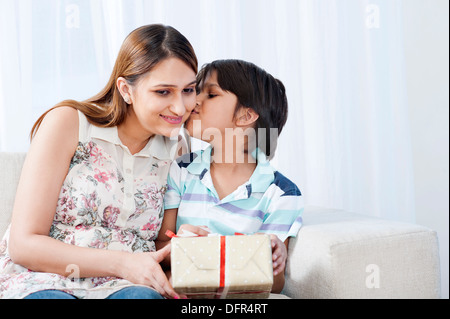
(199, 99)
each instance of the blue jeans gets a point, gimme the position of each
(125, 293)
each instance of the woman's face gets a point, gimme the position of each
(215, 109)
(163, 99)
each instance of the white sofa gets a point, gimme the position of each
(336, 254)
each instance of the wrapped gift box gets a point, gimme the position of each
(222, 266)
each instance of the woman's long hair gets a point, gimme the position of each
(140, 52)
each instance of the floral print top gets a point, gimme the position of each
(110, 199)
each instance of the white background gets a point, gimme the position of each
(427, 57)
(367, 83)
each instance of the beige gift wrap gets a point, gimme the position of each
(222, 266)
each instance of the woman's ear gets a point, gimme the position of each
(124, 89)
(246, 117)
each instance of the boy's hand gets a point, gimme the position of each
(279, 254)
(198, 230)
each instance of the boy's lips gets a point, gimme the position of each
(172, 119)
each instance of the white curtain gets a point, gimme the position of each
(346, 143)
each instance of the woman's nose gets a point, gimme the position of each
(178, 106)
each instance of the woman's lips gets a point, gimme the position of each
(172, 119)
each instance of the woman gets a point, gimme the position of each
(102, 166)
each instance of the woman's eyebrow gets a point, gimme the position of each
(174, 86)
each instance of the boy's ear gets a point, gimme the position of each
(246, 117)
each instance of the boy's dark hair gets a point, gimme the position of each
(256, 89)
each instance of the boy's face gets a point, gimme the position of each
(215, 110)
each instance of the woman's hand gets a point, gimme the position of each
(279, 254)
(144, 269)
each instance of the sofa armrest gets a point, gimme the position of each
(338, 254)
(10, 169)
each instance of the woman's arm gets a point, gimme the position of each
(43, 174)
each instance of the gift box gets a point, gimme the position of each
(222, 266)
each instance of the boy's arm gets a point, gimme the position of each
(172, 200)
(278, 278)
(168, 223)
(284, 218)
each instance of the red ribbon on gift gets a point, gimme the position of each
(222, 261)
(170, 234)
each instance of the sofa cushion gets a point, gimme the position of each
(10, 168)
(338, 254)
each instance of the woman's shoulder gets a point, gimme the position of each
(59, 126)
(62, 114)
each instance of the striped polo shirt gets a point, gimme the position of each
(267, 203)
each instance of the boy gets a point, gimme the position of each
(230, 186)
